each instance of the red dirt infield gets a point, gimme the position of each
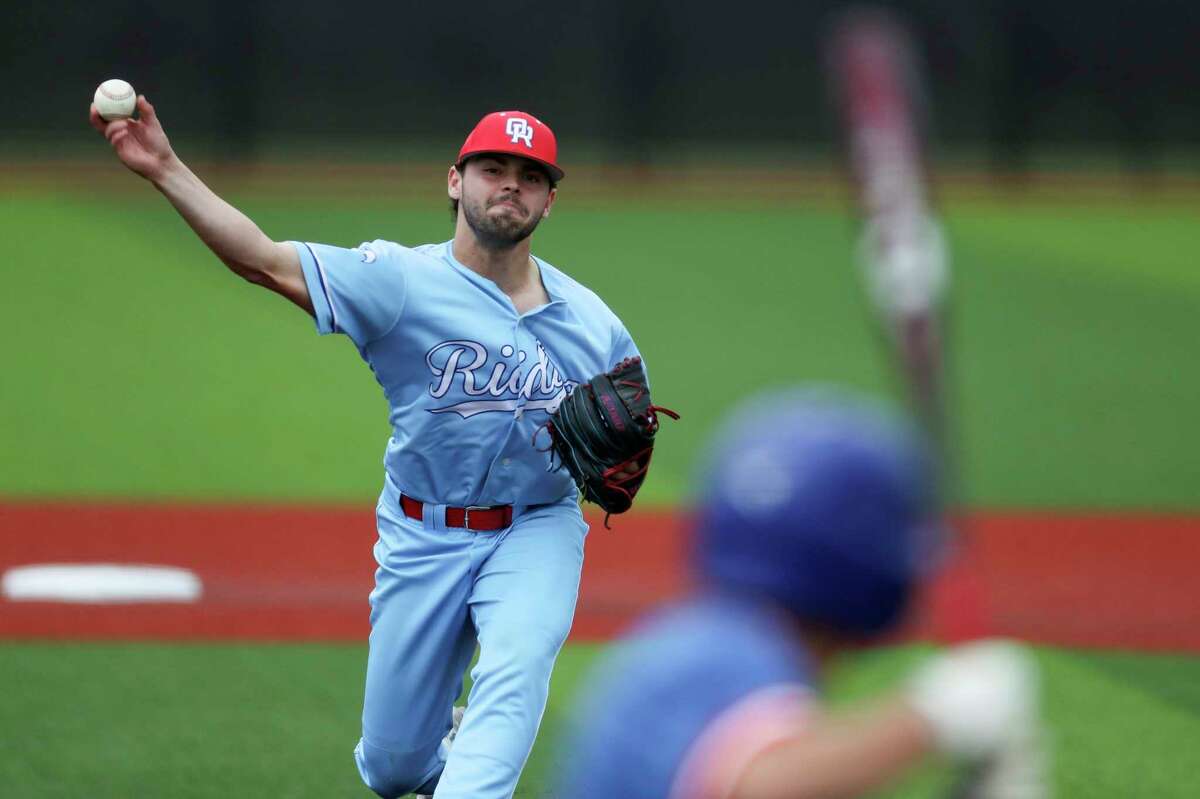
(301, 573)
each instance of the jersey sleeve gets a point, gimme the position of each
(359, 292)
(623, 346)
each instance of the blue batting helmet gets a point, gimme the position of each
(822, 501)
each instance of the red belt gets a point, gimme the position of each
(480, 518)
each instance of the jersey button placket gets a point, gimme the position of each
(522, 367)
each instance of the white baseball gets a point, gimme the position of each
(115, 99)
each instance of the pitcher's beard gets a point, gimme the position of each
(498, 233)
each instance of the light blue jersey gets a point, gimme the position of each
(468, 379)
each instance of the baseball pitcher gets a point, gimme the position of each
(475, 343)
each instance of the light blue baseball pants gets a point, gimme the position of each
(438, 591)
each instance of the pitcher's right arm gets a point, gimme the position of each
(233, 237)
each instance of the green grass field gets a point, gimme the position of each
(138, 368)
(120, 720)
(141, 368)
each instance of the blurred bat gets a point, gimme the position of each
(881, 100)
(882, 104)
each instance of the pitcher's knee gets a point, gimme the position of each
(394, 774)
(515, 670)
(531, 651)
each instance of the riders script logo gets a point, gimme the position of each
(504, 386)
(519, 129)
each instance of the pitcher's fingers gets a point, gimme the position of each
(145, 110)
(95, 119)
(115, 127)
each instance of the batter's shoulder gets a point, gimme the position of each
(693, 662)
(728, 645)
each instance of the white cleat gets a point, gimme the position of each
(457, 717)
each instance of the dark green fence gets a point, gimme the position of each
(628, 75)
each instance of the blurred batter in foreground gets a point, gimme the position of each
(814, 525)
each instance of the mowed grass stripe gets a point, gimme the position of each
(1068, 379)
(111, 721)
(1167, 678)
(1134, 245)
(1112, 736)
(148, 370)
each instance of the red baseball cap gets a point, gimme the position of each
(514, 133)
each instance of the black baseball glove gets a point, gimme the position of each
(603, 433)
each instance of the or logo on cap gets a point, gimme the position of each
(519, 129)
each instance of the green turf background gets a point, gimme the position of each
(238, 720)
(136, 367)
